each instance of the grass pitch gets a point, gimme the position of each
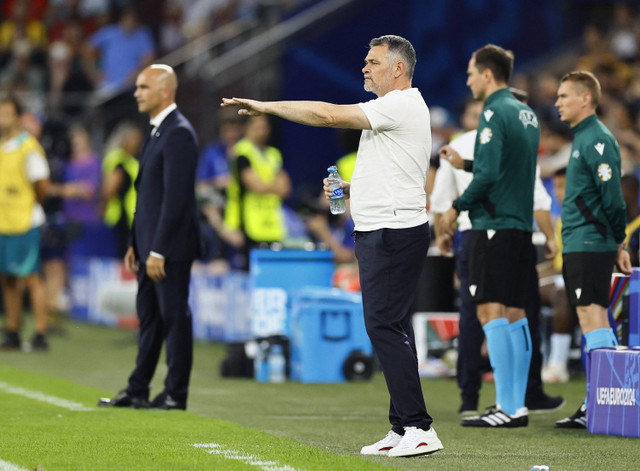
(241, 424)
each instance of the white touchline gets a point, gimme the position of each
(38, 396)
(6, 466)
(252, 460)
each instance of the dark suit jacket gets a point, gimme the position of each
(166, 218)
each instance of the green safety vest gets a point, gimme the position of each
(116, 205)
(259, 215)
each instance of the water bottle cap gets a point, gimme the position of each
(332, 169)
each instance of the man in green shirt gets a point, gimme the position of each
(593, 216)
(500, 204)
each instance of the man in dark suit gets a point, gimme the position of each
(165, 239)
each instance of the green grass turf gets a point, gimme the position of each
(303, 426)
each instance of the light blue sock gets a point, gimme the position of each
(598, 338)
(521, 349)
(501, 358)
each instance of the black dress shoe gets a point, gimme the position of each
(165, 402)
(124, 400)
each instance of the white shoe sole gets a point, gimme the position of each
(374, 453)
(422, 450)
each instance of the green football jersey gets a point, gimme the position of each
(593, 210)
(500, 196)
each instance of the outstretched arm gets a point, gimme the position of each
(310, 113)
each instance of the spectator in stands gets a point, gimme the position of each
(597, 57)
(68, 85)
(171, 35)
(545, 97)
(212, 179)
(82, 179)
(21, 71)
(24, 176)
(81, 14)
(620, 120)
(122, 50)
(624, 36)
(85, 233)
(630, 193)
(213, 165)
(118, 52)
(555, 146)
(18, 27)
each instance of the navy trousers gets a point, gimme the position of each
(390, 262)
(164, 316)
(470, 333)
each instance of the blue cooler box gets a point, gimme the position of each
(327, 332)
(274, 276)
(614, 392)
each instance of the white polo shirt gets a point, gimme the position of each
(451, 182)
(387, 185)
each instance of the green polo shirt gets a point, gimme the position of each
(500, 196)
(593, 210)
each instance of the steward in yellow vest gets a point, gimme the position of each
(257, 187)
(123, 204)
(119, 172)
(17, 193)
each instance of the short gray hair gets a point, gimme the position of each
(399, 47)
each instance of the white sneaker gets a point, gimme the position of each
(383, 446)
(554, 373)
(417, 442)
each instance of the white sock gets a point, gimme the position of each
(559, 351)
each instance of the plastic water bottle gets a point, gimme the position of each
(260, 365)
(277, 365)
(336, 203)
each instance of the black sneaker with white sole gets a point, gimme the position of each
(496, 417)
(577, 420)
(11, 341)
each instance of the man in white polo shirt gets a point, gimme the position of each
(388, 203)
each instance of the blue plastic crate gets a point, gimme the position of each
(327, 331)
(275, 275)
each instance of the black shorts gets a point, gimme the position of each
(499, 266)
(587, 277)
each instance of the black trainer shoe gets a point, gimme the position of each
(39, 343)
(11, 341)
(496, 417)
(577, 420)
(544, 403)
(468, 409)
